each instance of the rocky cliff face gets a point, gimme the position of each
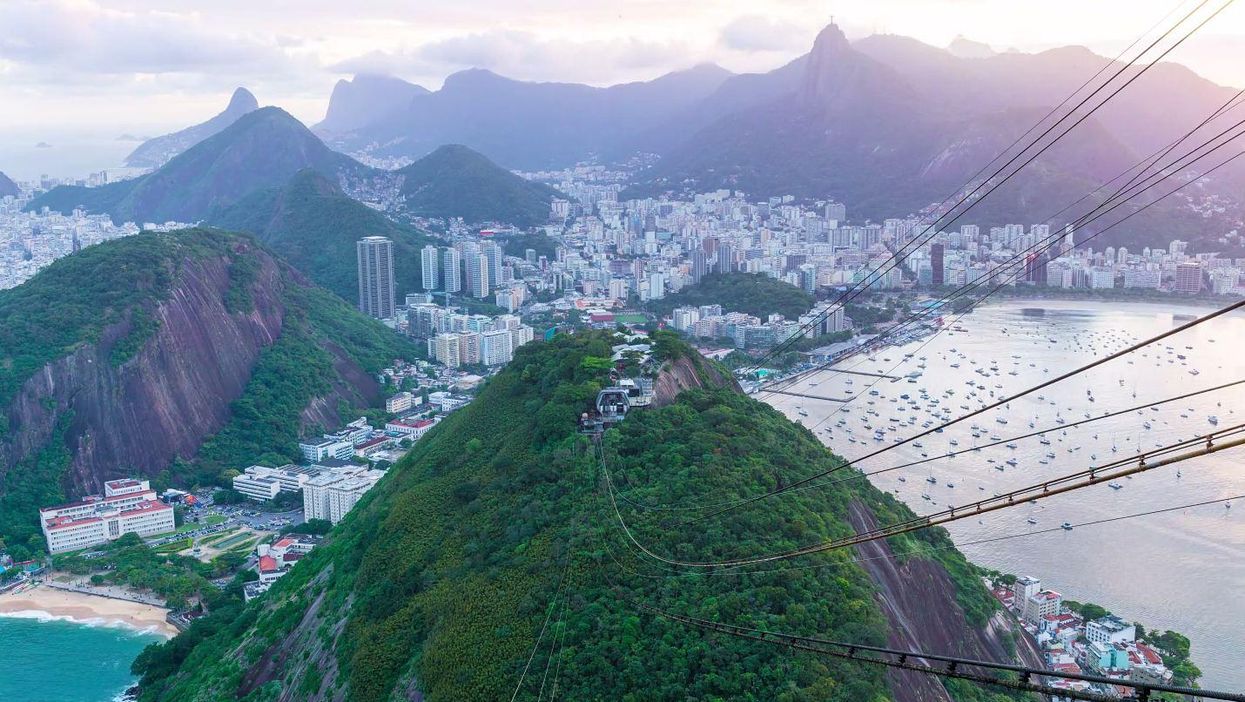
(915, 594)
(136, 417)
(685, 373)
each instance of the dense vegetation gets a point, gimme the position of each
(536, 240)
(455, 181)
(439, 581)
(179, 580)
(313, 225)
(751, 293)
(71, 303)
(118, 284)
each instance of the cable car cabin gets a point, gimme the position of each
(613, 403)
(611, 408)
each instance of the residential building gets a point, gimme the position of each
(1188, 277)
(1039, 605)
(376, 287)
(399, 402)
(315, 451)
(333, 493)
(430, 267)
(1110, 630)
(451, 266)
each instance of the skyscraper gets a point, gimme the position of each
(376, 294)
(1188, 278)
(936, 264)
(476, 267)
(451, 280)
(493, 253)
(430, 267)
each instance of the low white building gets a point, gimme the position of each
(1110, 630)
(316, 451)
(262, 483)
(126, 506)
(400, 402)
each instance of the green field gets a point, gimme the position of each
(234, 540)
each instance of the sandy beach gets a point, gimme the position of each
(43, 601)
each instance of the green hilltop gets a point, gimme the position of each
(751, 293)
(106, 300)
(313, 225)
(436, 585)
(454, 181)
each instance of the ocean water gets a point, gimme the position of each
(51, 660)
(26, 154)
(1181, 570)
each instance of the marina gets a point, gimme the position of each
(1136, 565)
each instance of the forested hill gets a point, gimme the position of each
(313, 225)
(171, 356)
(439, 583)
(752, 293)
(454, 181)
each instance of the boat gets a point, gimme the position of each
(1115, 486)
(1066, 526)
(932, 480)
(1213, 419)
(1031, 520)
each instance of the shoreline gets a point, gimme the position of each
(48, 604)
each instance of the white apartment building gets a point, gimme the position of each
(1110, 630)
(126, 506)
(332, 494)
(400, 402)
(262, 483)
(316, 451)
(1041, 604)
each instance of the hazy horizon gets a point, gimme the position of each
(134, 66)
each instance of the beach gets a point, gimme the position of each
(43, 602)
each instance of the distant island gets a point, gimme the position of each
(43, 145)
(131, 137)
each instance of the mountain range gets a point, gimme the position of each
(520, 125)
(172, 356)
(154, 153)
(886, 124)
(266, 148)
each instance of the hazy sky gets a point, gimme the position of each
(149, 64)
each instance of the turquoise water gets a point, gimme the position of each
(58, 661)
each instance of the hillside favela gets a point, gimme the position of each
(776, 351)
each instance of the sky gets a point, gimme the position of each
(146, 66)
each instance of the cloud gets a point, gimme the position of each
(757, 33)
(81, 36)
(525, 55)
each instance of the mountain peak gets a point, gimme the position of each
(830, 42)
(964, 47)
(242, 101)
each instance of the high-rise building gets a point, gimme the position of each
(376, 293)
(700, 265)
(1188, 278)
(726, 257)
(476, 265)
(937, 265)
(430, 267)
(451, 262)
(495, 257)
